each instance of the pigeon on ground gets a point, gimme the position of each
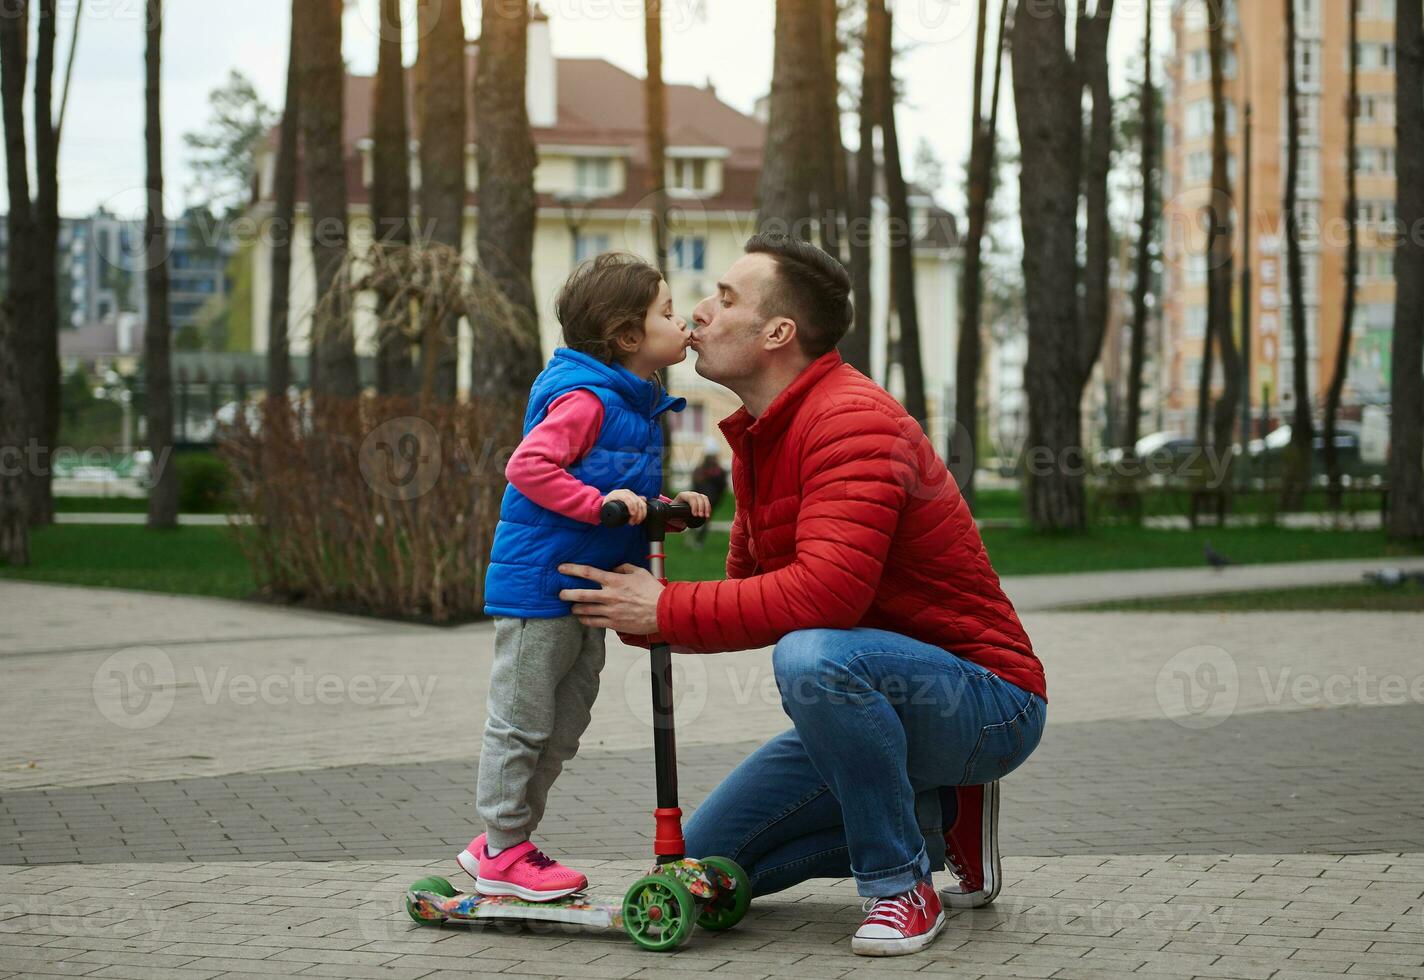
(1215, 558)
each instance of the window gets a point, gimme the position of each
(1375, 9)
(1309, 118)
(689, 253)
(1377, 265)
(593, 176)
(1375, 160)
(587, 246)
(1196, 269)
(1307, 16)
(1373, 56)
(689, 174)
(1198, 66)
(1376, 110)
(1199, 166)
(1198, 123)
(1309, 172)
(1376, 213)
(1195, 17)
(1195, 325)
(1308, 220)
(1307, 65)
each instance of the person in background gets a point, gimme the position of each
(710, 480)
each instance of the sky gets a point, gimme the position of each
(728, 42)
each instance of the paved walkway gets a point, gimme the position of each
(197, 787)
(1056, 591)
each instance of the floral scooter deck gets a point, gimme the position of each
(658, 912)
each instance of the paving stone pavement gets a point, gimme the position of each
(1236, 795)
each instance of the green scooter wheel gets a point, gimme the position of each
(734, 895)
(659, 913)
(439, 886)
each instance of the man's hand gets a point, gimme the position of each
(701, 506)
(627, 600)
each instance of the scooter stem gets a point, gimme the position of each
(668, 843)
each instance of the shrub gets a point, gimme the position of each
(379, 505)
(204, 483)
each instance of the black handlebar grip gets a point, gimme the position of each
(614, 513)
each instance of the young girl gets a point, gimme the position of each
(591, 434)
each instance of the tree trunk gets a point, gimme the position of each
(1220, 263)
(964, 432)
(163, 479)
(323, 78)
(1063, 342)
(1406, 465)
(791, 163)
(655, 105)
(1352, 266)
(14, 523)
(1091, 55)
(831, 188)
(855, 346)
(390, 195)
(442, 173)
(1137, 355)
(24, 252)
(69, 69)
(279, 369)
(45, 325)
(505, 366)
(902, 245)
(1298, 454)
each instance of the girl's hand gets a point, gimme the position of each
(701, 506)
(637, 506)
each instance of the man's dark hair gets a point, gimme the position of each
(812, 288)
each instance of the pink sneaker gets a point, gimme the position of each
(469, 858)
(525, 872)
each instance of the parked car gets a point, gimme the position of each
(1159, 454)
(1270, 451)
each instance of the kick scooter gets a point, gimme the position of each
(660, 910)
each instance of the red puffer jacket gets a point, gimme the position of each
(846, 517)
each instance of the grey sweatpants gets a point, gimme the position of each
(542, 688)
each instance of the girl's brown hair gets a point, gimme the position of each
(604, 297)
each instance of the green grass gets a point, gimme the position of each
(182, 561)
(1408, 597)
(1020, 551)
(206, 560)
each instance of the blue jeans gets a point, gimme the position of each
(882, 723)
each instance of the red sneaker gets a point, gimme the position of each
(904, 923)
(971, 848)
(469, 858)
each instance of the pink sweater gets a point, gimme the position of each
(539, 467)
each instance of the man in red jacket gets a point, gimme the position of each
(908, 677)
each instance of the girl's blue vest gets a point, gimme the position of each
(530, 542)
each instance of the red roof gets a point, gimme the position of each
(599, 105)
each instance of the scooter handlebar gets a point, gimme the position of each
(615, 513)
